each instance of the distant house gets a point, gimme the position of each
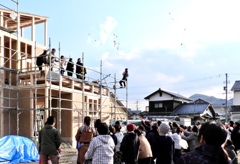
(194, 111)
(235, 108)
(219, 105)
(164, 102)
(134, 114)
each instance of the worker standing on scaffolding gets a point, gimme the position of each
(41, 59)
(62, 65)
(52, 58)
(70, 67)
(124, 79)
(79, 67)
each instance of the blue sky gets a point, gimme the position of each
(182, 46)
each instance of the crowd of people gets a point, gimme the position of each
(149, 143)
(49, 59)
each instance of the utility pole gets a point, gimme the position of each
(226, 100)
(137, 105)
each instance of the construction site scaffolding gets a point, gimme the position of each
(34, 87)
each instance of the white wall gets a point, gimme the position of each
(235, 117)
(185, 121)
(165, 97)
(219, 109)
(156, 97)
(236, 98)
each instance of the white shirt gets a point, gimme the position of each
(119, 136)
(176, 138)
(101, 150)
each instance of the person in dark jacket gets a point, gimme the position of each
(41, 59)
(164, 146)
(70, 67)
(112, 131)
(147, 126)
(49, 141)
(79, 68)
(124, 79)
(229, 147)
(235, 136)
(211, 137)
(130, 146)
(151, 137)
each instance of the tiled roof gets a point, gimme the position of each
(236, 86)
(235, 109)
(135, 112)
(190, 108)
(169, 93)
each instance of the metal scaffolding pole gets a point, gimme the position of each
(100, 90)
(60, 100)
(50, 79)
(83, 86)
(115, 93)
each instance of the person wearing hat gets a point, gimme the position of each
(164, 145)
(130, 146)
(49, 141)
(124, 79)
(101, 148)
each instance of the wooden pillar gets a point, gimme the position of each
(1, 41)
(72, 84)
(33, 30)
(18, 63)
(1, 50)
(87, 106)
(45, 33)
(22, 32)
(1, 18)
(33, 38)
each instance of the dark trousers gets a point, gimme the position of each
(62, 71)
(152, 161)
(78, 75)
(40, 67)
(41, 71)
(144, 160)
(122, 83)
(69, 73)
(177, 155)
(53, 158)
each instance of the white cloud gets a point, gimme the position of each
(211, 64)
(188, 49)
(121, 55)
(215, 91)
(135, 53)
(107, 28)
(160, 77)
(210, 21)
(105, 56)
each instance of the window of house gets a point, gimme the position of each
(158, 105)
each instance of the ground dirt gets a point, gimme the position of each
(69, 154)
